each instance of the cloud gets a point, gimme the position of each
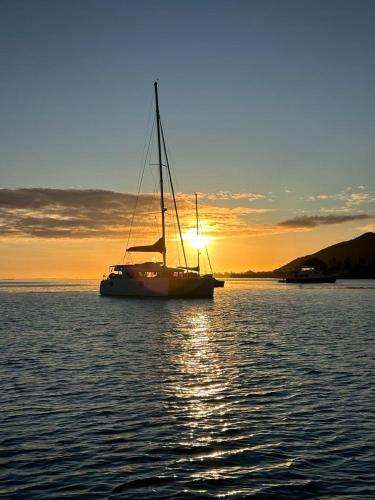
(69, 213)
(348, 197)
(92, 213)
(100, 214)
(311, 221)
(224, 195)
(358, 198)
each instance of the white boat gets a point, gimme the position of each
(308, 275)
(157, 279)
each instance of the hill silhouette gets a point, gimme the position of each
(349, 259)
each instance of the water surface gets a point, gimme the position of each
(265, 391)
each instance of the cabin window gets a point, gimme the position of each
(178, 275)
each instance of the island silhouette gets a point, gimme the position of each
(352, 259)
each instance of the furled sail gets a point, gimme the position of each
(159, 246)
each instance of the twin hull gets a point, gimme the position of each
(200, 287)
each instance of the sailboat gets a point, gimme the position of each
(157, 279)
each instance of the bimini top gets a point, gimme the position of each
(147, 267)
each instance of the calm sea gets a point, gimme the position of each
(265, 391)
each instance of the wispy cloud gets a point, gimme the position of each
(69, 213)
(86, 213)
(348, 197)
(224, 195)
(311, 221)
(100, 214)
(359, 198)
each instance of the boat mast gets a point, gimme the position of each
(197, 219)
(162, 206)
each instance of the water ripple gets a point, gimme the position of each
(265, 392)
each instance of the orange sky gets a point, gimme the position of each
(87, 258)
(79, 233)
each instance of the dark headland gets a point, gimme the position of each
(353, 259)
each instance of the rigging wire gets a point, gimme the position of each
(206, 248)
(154, 223)
(150, 114)
(172, 221)
(173, 194)
(173, 170)
(140, 179)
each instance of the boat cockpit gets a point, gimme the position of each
(149, 270)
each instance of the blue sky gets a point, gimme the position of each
(268, 107)
(255, 95)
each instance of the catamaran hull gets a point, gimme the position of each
(201, 287)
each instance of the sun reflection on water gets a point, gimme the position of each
(201, 387)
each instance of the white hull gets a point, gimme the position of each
(195, 287)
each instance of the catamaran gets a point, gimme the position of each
(157, 279)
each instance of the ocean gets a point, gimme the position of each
(267, 391)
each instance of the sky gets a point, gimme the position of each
(268, 108)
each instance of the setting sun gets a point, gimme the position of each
(196, 241)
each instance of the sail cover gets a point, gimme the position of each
(159, 246)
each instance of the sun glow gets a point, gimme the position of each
(196, 241)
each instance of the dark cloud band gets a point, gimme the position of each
(311, 221)
(94, 213)
(69, 213)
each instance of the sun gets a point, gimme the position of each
(196, 241)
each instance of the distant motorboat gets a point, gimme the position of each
(308, 275)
